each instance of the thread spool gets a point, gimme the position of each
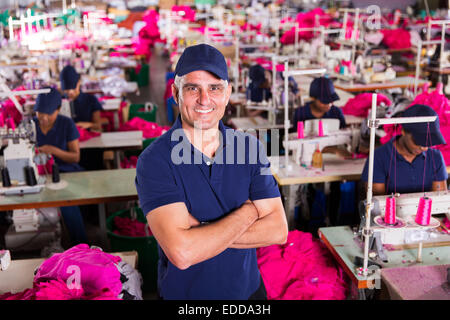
(300, 134)
(55, 173)
(423, 215)
(320, 128)
(30, 177)
(5, 178)
(389, 215)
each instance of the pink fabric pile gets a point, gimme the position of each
(149, 129)
(446, 222)
(125, 226)
(439, 103)
(185, 12)
(79, 273)
(86, 134)
(110, 114)
(361, 104)
(130, 162)
(301, 269)
(148, 35)
(306, 20)
(396, 38)
(9, 110)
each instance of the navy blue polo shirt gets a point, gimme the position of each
(409, 175)
(84, 106)
(210, 189)
(63, 131)
(304, 113)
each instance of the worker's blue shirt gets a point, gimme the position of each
(63, 131)
(304, 113)
(401, 176)
(211, 189)
(84, 106)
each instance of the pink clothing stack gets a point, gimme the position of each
(301, 269)
(131, 228)
(361, 104)
(396, 38)
(149, 129)
(86, 134)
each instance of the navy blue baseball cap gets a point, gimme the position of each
(69, 78)
(323, 89)
(202, 57)
(425, 134)
(48, 102)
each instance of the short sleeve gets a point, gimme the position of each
(263, 184)
(440, 170)
(95, 104)
(155, 181)
(72, 131)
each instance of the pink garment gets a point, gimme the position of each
(97, 269)
(446, 222)
(185, 12)
(111, 114)
(439, 103)
(46, 168)
(301, 269)
(86, 134)
(127, 163)
(396, 38)
(361, 104)
(131, 228)
(149, 129)
(306, 20)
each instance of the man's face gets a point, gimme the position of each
(202, 99)
(322, 107)
(411, 146)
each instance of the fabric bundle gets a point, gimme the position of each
(361, 104)
(125, 226)
(301, 269)
(396, 38)
(86, 134)
(81, 273)
(149, 129)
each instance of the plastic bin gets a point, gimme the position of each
(144, 111)
(145, 246)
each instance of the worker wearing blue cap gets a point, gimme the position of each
(207, 210)
(86, 107)
(407, 164)
(57, 135)
(323, 95)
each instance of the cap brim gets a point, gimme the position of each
(330, 99)
(421, 139)
(197, 67)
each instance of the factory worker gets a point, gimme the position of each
(323, 95)
(400, 164)
(86, 114)
(211, 207)
(259, 88)
(86, 108)
(57, 135)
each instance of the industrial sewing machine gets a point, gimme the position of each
(304, 148)
(406, 231)
(19, 170)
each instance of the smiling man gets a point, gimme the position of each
(406, 163)
(208, 216)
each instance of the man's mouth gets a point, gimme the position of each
(204, 111)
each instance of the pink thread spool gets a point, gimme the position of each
(300, 134)
(389, 215)
(320, 128)
(423, 215)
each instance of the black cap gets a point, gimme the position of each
(425, 134)
(323, 89)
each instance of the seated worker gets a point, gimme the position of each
(57, 135)
(413, 158)
(86, 114)
(259, 88)
(323, 95)
(86, 108)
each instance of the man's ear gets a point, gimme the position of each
(174, 93)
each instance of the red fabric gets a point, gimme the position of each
(125, 226)
(301, 269)
(361, 104)
(86, 134)
(149, 129)
(396, 38)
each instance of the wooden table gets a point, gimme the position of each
(86, 187)
(344, 245)
(336, 169)
(116, 141)
(400, 82)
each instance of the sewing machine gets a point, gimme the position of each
(19, 170)
(303, 149)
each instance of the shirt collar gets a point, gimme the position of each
(391, 143)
